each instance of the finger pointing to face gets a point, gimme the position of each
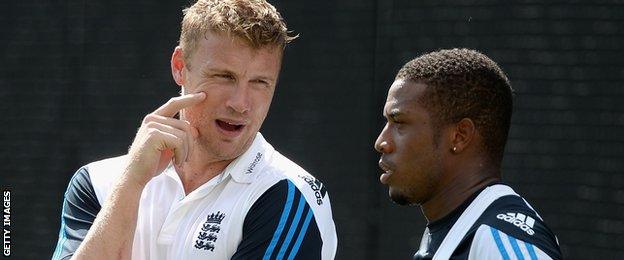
(176, 104)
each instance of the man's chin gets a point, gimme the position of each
(226, 149)
(400, 198)
(222, 150)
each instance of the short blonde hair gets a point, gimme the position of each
(256, 22)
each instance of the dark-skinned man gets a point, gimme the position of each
(448, 114)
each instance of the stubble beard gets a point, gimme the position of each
(213, 149)
(218, 150)
(416, 196)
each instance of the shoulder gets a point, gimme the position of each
(80, 207)
(80, 183)
(283, 223)
(510, 226)
(288, 195)
(282, 169)
(103, 174)
(491, 243)
(80, 196)
(108, 166)
(263, 167)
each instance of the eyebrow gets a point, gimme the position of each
(218, 71)
(229, 72)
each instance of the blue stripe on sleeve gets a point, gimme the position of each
(293, 226)
(531, 250)
(514, 245)
(62, 232)
(282, 223)
(62, 235)
(499, 243)
(304, 230)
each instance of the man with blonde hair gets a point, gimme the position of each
(206, 185)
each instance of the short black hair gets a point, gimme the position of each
(464, 83)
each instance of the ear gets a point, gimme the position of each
(177, 66)
(462, 135)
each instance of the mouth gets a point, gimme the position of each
(230, 128)
(385, 177)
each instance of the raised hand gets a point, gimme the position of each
(162, 138)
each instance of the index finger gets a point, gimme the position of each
(176, 104)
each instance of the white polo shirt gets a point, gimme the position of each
(261, 206)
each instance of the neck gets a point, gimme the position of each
(463, 182)
(197, 171)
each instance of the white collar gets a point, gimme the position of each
(243, 169)
(246, 167)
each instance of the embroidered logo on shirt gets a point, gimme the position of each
(208, 234)
(254, 163)
(520, 220)
(316, 186)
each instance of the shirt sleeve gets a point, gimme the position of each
(491, 243)
(510, 229)
(80, 207)
(280, 225)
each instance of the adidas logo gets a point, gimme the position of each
(316, 186)
(520, 220)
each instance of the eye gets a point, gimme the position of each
(395, 120)
(224, 76)
(261, 82)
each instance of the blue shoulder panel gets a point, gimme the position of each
(280, 225)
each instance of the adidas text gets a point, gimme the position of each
(520, 220)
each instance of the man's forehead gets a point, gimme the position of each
(403, 93)
(225, 53)
(407, 89)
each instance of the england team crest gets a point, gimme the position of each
(208, 235)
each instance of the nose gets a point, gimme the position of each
(239, 99)
(383, 143)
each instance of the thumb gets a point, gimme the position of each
(165, 158)
(194, 132)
